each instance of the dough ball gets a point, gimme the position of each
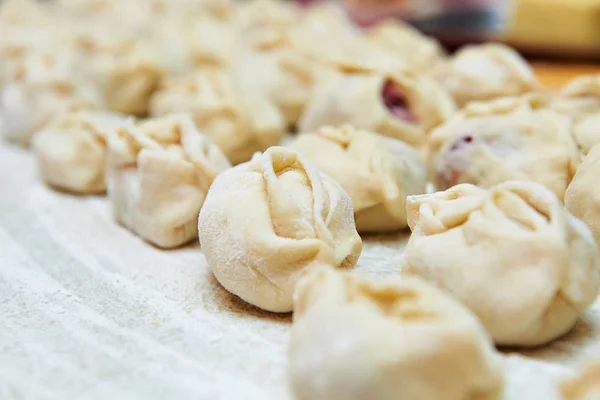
(510, 138)
(239, 123)
(266, 221)
(280, 75)
(580, 100)
(420, 52)
(585, 386)
(158, 174)
(125, 71)
(71, 150)
(485, 72)
(582, 198)
(362, 338)
(345, 49)
(400, 106)
(377, 172)
(40, 86)
(511, 254)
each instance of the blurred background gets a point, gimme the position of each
(560, 37)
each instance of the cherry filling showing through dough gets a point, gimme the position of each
(449, 174)
(396, 102)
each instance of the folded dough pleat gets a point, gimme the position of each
(523, 265)
(266, 221)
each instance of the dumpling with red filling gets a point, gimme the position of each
(511, 138)
(398, 105)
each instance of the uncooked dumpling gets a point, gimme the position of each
(280, 75)
(377, 172)
(267, 221)
(239, 123)
(580, 99)
(582, 198)
(510, 138)
(485, 72)
(364, 338)
(585, 386)
(158, 174)
(71, 150)
(420, 52)
(41, 86)
(511, 254)
(398, 105)
(125, 71)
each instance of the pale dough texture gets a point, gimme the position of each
(38, 87)
(510, 138)
(158, 174)
(523, 265)
(358, 100)
(71, 150)
(582, 198)
(377, 172)
(240, 124)
(580, 99)
(91, 311)
(485, 72)
(267, 221)
(585, 385)
(420, 52)
(359, 338)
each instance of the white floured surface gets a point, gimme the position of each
(89, 311)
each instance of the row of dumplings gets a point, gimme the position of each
(499, 263)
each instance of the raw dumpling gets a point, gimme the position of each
(582, 198)
(158, 174)
(377, 172)
(345, 47)
(510, 138)
(363, 338)
(125, 71)
(267, 221)
(42, 86)
(400, 106)
(511, 254)
(420, 52)
(580, 99)
(485, 72)
(240, 124)
(280, 75)
(585, 386)
(71, 150)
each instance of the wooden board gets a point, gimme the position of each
(89, 311)
(555, 75)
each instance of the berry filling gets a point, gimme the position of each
(396, 102)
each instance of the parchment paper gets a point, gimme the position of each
(90, 311)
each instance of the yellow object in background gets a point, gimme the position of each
(565, 25)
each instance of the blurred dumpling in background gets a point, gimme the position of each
(419, 52)
(398, 105)
(485, 72)
(377, 172)
(510, 138)
(239, 123)
(39, 86)
(71, 149)
(580, 99)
